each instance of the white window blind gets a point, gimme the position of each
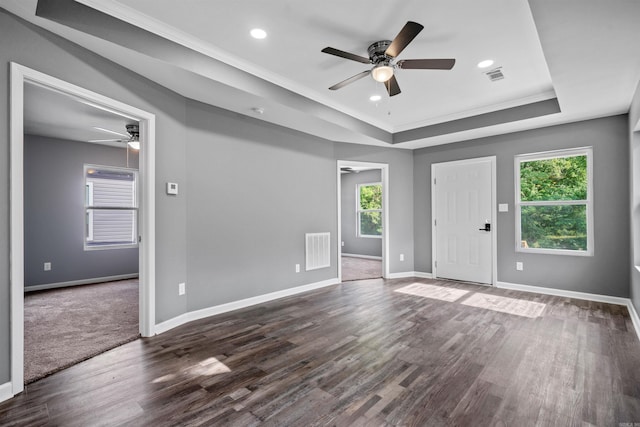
(111, 207)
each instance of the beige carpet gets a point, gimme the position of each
(360, 268)
(65, 326)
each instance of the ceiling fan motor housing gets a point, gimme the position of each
(134, 131)
(377, 52)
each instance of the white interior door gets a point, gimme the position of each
(463, 215)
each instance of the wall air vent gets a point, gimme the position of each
(318, 250)
(495, 74)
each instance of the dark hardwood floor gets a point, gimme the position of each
(360, 354)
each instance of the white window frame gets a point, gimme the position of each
(89, 208)
(573, 152)
(359, 211)
(88, 201)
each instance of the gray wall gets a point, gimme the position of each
(634, 155)
(38, 49)
(54, 212)
(254, 191)
(607, 272)
(352, 243)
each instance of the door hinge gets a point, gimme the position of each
(434, 181)
(435, 222)
(436, 263)
(139, 239)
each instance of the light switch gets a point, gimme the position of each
(172, 188)
(503, 207)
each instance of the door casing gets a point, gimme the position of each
(494, 223)
(384, 175)
(20, 75)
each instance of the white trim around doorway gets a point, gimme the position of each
(384, 175)
(19, 76)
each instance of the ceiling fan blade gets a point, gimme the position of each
(426, 64)
(108, 140)
(346, 55)
(349, 80)
(392, 86)
(404, 37)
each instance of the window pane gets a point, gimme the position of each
(111, 188)
(111, 227)
(554, 227)
(370, 224)
(560, 178)
(371, 196)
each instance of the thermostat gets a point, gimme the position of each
(172, 188)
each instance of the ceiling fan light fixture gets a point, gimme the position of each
(375, 98)
(381, 73)
(486, 63)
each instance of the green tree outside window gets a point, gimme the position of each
(554, 202)
(369, 209)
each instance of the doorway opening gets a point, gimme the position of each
(23, 80)
(362, 220)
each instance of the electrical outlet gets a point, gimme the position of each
(519, 266)
(342, 243)
(182, 288)
(401, 257)
(297, 268)
(47, 266)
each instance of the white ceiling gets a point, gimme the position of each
(297, 32)
(57, 115)
(585, 52)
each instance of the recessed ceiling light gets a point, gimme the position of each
(486, 63)
(258, 110)
(258, 33)
(375, 98)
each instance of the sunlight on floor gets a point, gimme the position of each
(514, 306)
(210, 366)
(506, 305)
(164, 378)
(431, 291)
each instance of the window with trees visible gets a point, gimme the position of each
(111, 207)
(554, 212)
(369, 210)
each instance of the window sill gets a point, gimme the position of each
(554, 252)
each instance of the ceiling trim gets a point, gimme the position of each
(91, 21)
(521, 112)
(152, 25)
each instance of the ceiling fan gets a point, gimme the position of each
(382, 54)
(132, 139)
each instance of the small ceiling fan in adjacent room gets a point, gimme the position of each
(382, 55)
(132, 139)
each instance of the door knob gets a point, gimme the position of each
(487, 227)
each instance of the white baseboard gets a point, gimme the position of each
(236, 305)
(562, 293)
(634, 317)
(405, 274)
(379, 258)
(6, 391)
(79, 282)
